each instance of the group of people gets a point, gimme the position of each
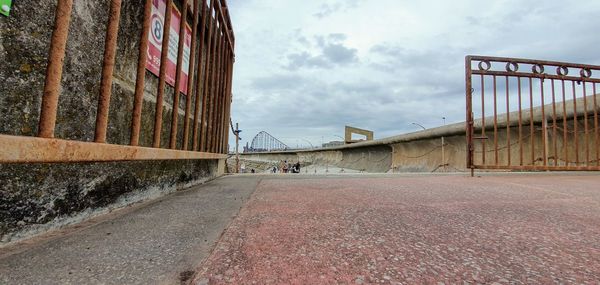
(287, 167)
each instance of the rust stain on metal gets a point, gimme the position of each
(201, 68)
(162, 77)
(110, 51)
(56, 60)
(179, 73)
(136, 119)
(207, 76)
(215, 96)
(191, 91)
(543, 137)
(16, 149)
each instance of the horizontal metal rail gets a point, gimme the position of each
(18, 149)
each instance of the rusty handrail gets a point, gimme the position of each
(211, 64)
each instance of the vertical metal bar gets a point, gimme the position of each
(207, 73)
(215, 100)
(225, 119)
(221, 93)
(227, 102)
(178, 75)
(54, 71)
(575, 129)
(585, 125)
(565, 126)
(190, 86)
(544, 125)
(554, 127)
(483, 141)
(162, 75)
(110, 50)
(206, 126)
(469, 114)
(136, 118)
(597, 139)
(214, 93)
(495, 124)
(202, 69)
(237, 152)
(520, 122)
(508, 121)
(230, 60)
(531, 126)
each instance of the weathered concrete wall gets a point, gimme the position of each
(34, 194)
(36, 197)
(422, 151)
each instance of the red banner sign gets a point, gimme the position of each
(155, 39)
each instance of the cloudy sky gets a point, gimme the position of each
(306, 68)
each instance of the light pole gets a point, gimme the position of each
(417, 124)
(311, 145)
(443, 153)
(237, 132)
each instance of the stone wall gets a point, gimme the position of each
(34, 195)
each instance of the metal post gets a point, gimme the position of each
(469, 113)
(207, 72)
(443, 153)
(201, 67)
(110, 50)
(56, 59)
(138, 98)
(178, 76)
(190, 87)
(162, 75)
(237, 145)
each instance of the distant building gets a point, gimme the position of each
(333, 144)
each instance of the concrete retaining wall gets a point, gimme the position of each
(35, 196)
(422, 151)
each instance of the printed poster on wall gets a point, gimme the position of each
(155, 39)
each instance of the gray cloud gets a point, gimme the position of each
(309, 82)
(339, 54)
(327, 9)
(305, 59)
(331, 52)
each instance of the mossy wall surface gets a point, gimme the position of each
(38, 193)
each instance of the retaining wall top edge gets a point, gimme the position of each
(451, 129)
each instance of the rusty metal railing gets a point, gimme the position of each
(527, 114)
(212, 91)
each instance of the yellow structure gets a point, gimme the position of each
(352, 130)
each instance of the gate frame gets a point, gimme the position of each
(538, 67)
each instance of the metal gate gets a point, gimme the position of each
(527, 114)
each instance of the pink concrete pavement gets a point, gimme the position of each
(508, 229)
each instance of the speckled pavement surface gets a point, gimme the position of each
(499, 229)
(160, 242)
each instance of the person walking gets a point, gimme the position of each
(297, 167)
(281, 166)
